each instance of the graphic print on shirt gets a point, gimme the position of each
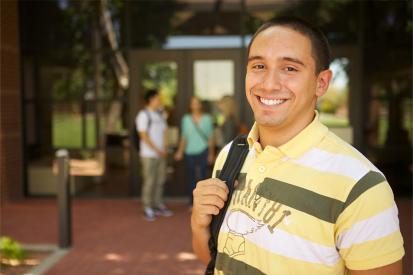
(249, 213)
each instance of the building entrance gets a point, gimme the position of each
(179, 75)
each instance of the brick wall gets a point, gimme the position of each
(11, 164)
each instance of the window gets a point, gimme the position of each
(213, 79)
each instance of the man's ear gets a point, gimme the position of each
(323, 80)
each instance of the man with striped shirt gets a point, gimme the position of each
(306, 202)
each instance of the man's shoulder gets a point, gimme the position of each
(143, 112)
(225, 149)
(223, 155)
(339, 157)
(150, 114)
(339, 146)
(141, 118)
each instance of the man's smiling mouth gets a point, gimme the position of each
(271, 102)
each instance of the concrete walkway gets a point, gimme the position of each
(110, 236)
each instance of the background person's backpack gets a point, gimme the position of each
(135, 134)
(229, 173)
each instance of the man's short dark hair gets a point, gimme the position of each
(150, 94)
(319, 43)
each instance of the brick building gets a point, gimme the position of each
(37, 57)
(11, 160)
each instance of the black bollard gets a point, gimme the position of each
(63, 199)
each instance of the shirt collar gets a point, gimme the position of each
(295, 147)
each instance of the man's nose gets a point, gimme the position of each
(272, 81)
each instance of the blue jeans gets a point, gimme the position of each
(197, 168)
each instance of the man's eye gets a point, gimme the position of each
(258, 66)
(290, 69)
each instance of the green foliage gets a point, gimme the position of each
(70, 85)
(161, 76)
(327, 106)
(332, 120)
(151, 22)
(11, 249)
(333, 100)
(77, 20)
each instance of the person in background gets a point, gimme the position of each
(152, 128)
(196, 144)
(229, 128)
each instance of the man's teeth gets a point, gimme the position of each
(271, 102)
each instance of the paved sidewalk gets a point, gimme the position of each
(110, 236)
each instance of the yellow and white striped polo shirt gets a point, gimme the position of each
(314, 205)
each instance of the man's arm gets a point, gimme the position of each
(165, 140)
(144, 136)
(209, 197)
(391, 269)
(370, 221)
(200, 238)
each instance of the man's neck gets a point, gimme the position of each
(277, 136)
(151, 108)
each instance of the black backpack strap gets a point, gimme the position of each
(229, 173)
(146, 111)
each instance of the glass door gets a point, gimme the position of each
(178, 75)
(163, 71)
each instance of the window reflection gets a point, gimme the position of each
(213, 79)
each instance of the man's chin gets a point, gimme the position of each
(269, 122)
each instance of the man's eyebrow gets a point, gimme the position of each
(285, 58)
(255, 57)
(295, 60)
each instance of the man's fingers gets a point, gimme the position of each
(213, 189)
(213, 182)
(209, 197)
(208, 209)
(212, 200)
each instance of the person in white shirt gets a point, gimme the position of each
(152, 128)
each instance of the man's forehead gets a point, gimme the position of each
(276, 38)
(281, 29)
(284, 34)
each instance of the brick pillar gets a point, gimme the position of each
(11, 163)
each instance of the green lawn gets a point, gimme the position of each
(67, 130)
(333, 121)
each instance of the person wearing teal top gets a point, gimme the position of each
(196, 144)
